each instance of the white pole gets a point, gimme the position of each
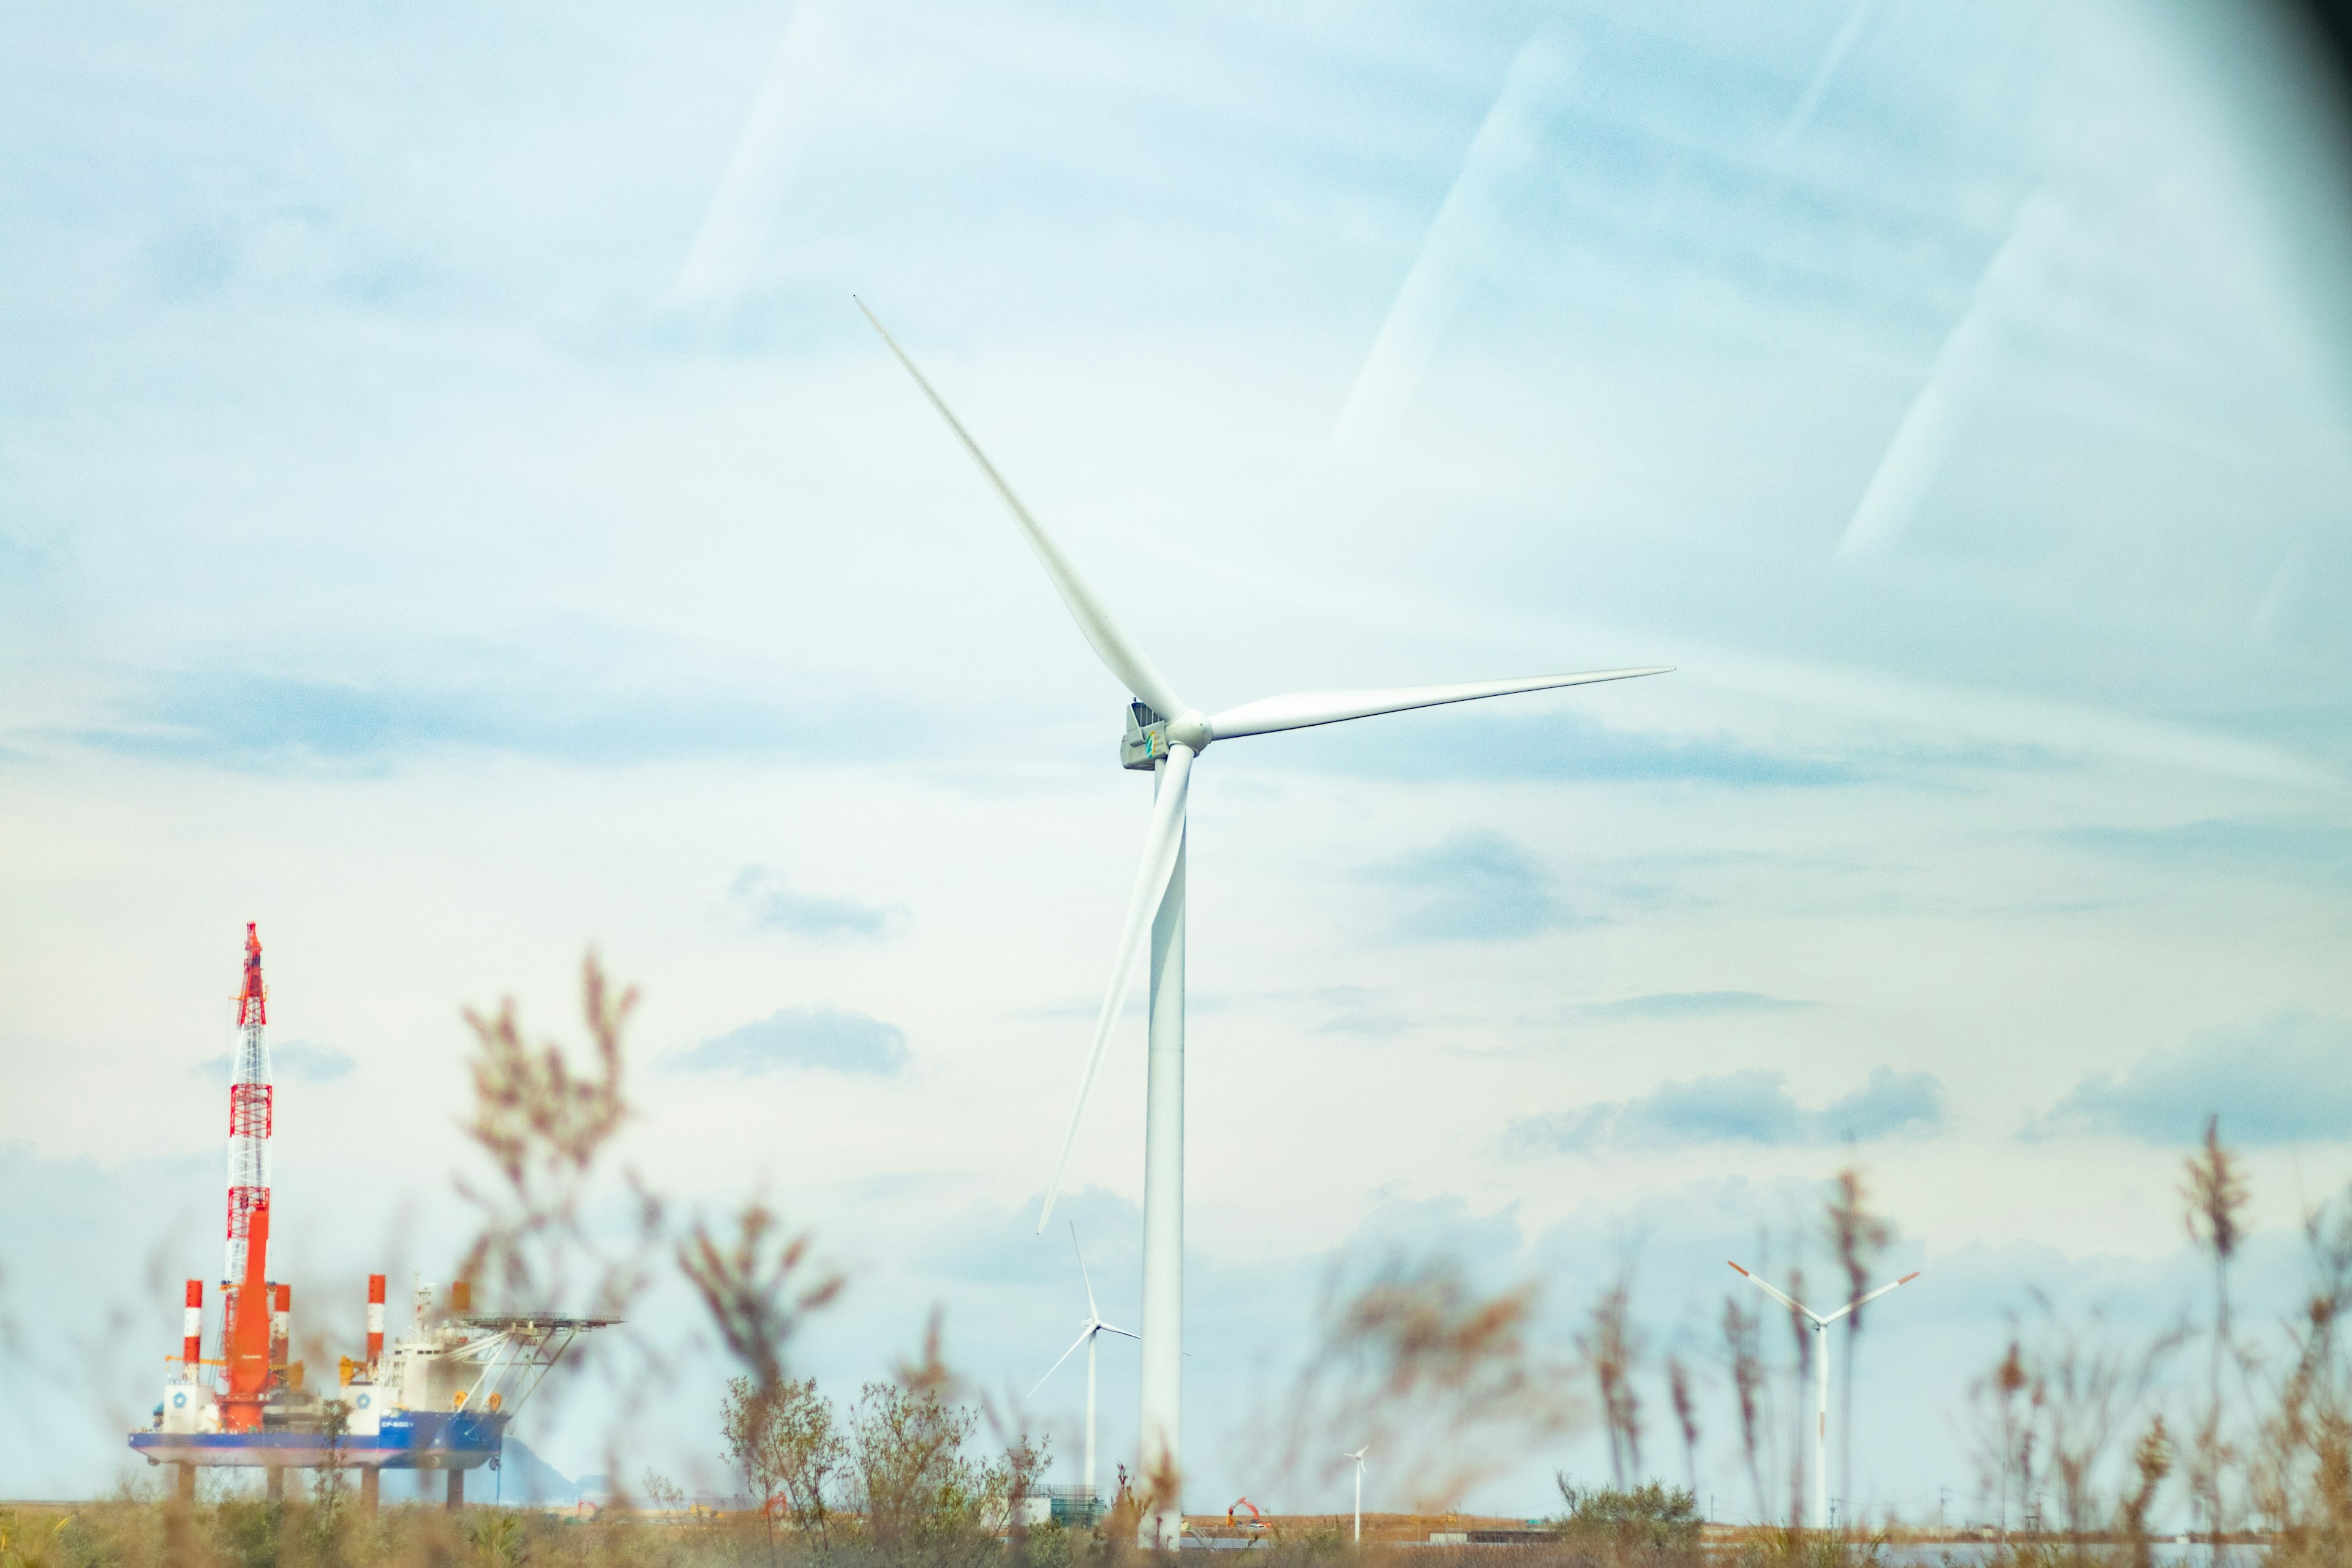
(1822, 1429)
(1092, 1335)
(1360, 1503)
(1162, 1401)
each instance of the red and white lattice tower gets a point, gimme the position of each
(249, 1096)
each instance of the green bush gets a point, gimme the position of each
(1049, 1545)
(1651, 1518)
(245, 1534)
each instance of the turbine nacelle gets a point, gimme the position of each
(1149, 733)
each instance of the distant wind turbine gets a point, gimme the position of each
(1164, 734)
(1821, 1360)
(1358, 1456)
(1086, 1336)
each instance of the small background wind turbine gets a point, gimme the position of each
(1358, 1456)
(1095, 1329)
(1164, 734)
(1821, 1362)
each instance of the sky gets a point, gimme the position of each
(452, 515)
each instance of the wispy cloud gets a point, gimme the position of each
(1678, 1005)
(2305, 849)
(255, 722)
(825, 1039)
(295, 1059)
(1477, 886)
(765, 899)
(1752, 1106)
(1557, 745)
(1373, 1024)
(2279, 1081)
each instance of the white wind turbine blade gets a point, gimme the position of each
(1093, 1316)
(1123, 1333)
(1305, 709)
(1129, 663)
(1762, 1283)
(1160, 842)
(1874, 1295)
(1063, 1357)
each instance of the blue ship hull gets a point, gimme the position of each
(403, 1440)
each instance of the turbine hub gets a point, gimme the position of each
(1190, 728)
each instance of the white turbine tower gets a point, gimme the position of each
(1087, 1337)
(1358, 1456)
(1822, 1364)
(1164, 734)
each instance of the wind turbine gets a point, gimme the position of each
(1086, 1336)
(1165, 734)
(1358, 1456)
(1822, 1362)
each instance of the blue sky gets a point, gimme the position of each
(451, 514)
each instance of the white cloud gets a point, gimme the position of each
(827, 1039)
(1752, 1106)
(2280, 1081)
(765, 898)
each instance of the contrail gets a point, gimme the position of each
(744, 211)
(1908, 470)
(1507, 141)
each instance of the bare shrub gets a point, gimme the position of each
(2050, 1417)
(2151, 1462)
(2090, 1387)
(2216, 1195)
(547, 1120)
(787, 1445)
(1743, 1350)
(758, 1290)
(922, 1496)
(1610, 1347)
(1442, 1377)
(2005, 1430)
(2301, 1480)
(1678, 1389)
(544, 1121)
